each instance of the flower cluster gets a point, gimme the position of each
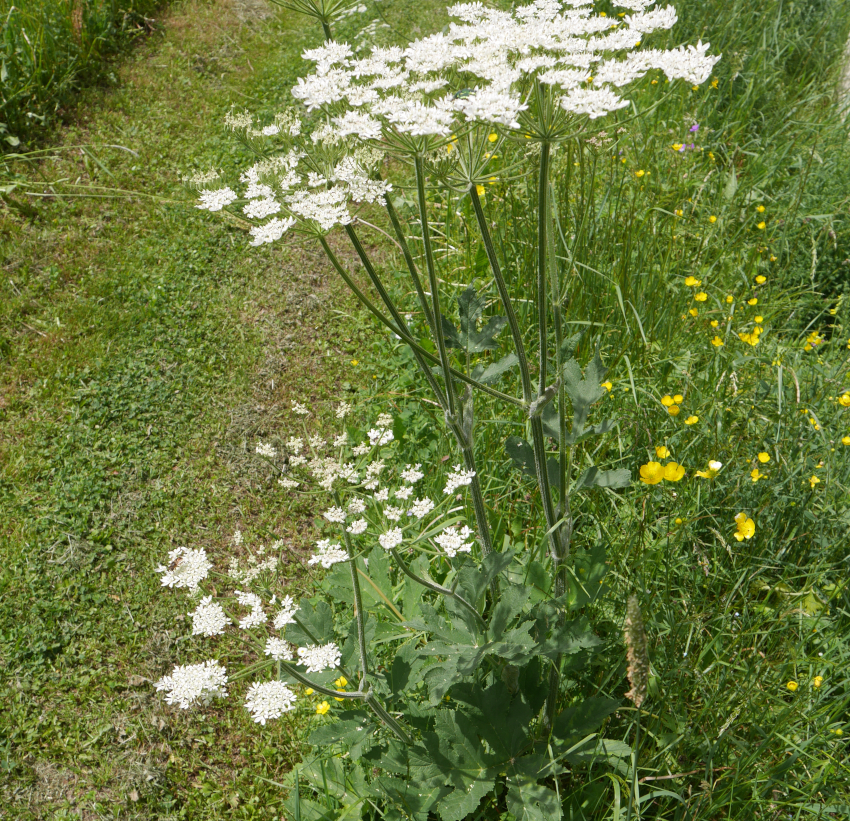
(193, 683)
(186, 568)
(480, 70)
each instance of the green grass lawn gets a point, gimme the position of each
(144, 347)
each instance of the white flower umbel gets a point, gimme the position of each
(193, 683)
(420, 508)
(257, 616)
(300, 409)
(356, 506)
(268, 700)
(286, 614)
(295, 444)
(380, 436)
(264, 449)
(288, 484)
(271, 231)
(318, 658)
(454, 541)
(412, 474)
(216, 200)
(392, 538)
(278, 649)
(357, 527)
(186, 568)
(343, 409)
(209, 618)
(335, 515)
(328, 554)
(459, 478)
(393, 513)
(403, 492)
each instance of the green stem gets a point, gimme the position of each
(411, 265)
(501, 286)
(405, 337)
(432, 280)
(359, 614)
(438, 588)
(368, 698)
(542, 230)
(462, 432)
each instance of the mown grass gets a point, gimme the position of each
(144, 347)
(738, 725)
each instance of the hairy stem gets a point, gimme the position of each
(411, 265)
(501, 286)
(438, 588)
(402, 333)
(434, 285)
(359, 614)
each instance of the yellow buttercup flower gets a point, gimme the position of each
(701, 296)
(817, 681)
(755, 475)
(678, 521)
(753, 301)
(673, 472)
(845, 440)
(651, 473)
(309, 691)
(761, 226)
(493, 137)
(717, 342)
(693, 312)
(712, 219)
(678, 399)
(764, 457)
(661, 452)
(745, 528)
(673, 410)
(814, 481)
(341, 682)
(844, 400)
(792, 686)
(758, 319)
(761, 279)
(714, 83)
(667, 401)
(679, 212)
(480, 189)
(693, 282)
(751, 339)
(607, 386)
(760, 209)
(692, 420)
(714, 323)
(730, 298)
(323, 708)
(640, 173)
(711, 471)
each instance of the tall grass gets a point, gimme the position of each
(49, 48)
(749, 693)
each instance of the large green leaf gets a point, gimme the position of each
(495, 370)
(470, 338)
(567, 638)
(584, 718)
(318, 624)
(529, 801)
(593, 477)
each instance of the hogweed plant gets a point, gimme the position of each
(459, 697)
